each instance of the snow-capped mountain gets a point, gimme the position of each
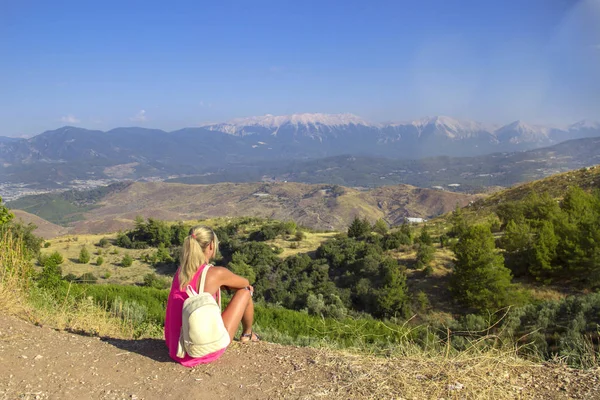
(585, 124)
(310, 124)
(520, 132)
(450, 128)
(291, 137)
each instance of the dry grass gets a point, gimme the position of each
(14, 273)
(470, 375)
(310, 243)
(18, 297)
(70, 246)
(79, 316)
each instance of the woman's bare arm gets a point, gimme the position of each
(224, 277)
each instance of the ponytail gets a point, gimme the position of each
(192, 254)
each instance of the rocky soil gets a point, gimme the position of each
(41, 363)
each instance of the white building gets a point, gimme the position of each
(413, 220)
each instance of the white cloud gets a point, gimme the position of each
(69, 119)
(140, 116)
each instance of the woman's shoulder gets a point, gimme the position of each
(217, 270)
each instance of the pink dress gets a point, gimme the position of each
(173, 323)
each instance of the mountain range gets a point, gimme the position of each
(75, 153)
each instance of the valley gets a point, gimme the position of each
(321, 207)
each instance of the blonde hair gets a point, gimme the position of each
(192, 254)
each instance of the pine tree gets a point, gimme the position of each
(425, 237)
(392, 296)
(542, 264)
(84, 255)
(517, 243)
(359, 228)
(480, 279)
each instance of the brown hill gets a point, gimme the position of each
(45, 229)
(556, 186)
(317, 206)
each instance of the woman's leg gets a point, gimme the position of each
(240, 308)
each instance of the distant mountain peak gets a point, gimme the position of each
(276, 121)
(443, 126)
(585, 124)
(521, 132)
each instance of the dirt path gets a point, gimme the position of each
(41, 363)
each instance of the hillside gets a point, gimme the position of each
(556, 185)
(41, 363)
(45, 229)
(324, 207)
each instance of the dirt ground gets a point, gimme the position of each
(41, 363)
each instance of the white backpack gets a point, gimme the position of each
(202, 328)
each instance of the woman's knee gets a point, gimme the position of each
(243, 294)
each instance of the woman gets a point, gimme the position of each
(198, 248)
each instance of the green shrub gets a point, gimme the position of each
(425, 254)
(127, 261)
(154, 281)
(88, 277)
(84, 256)
(380, 227)
(99, 261)
(300, 236)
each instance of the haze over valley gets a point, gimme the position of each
(311, 148)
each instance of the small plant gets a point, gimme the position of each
(70, 277)
(300, 236)
(106, 275)
(84, 256)
(152, 280)
(46, 245)
(428, 271)
(115, 251)
(99, 261)
(104, 242)
(88, 277)
(126, 261)
(422, 302)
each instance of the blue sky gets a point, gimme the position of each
(168, 65)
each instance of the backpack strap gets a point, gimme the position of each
(203, 282)
(203, 278)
